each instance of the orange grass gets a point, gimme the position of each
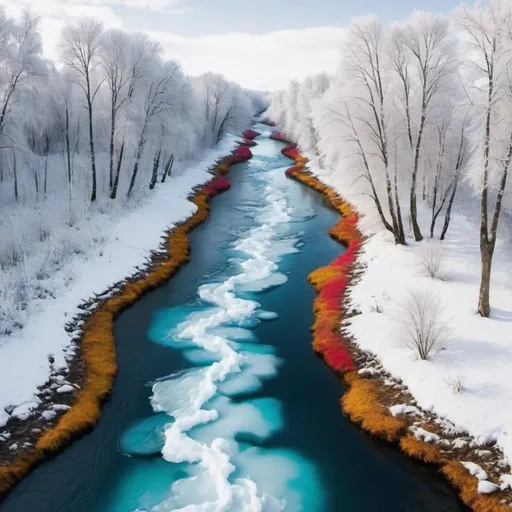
(97, 341)
(362, 401)
(420, 450)
(467, 485)
(361, 404)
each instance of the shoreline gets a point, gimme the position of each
(371, 391)
(94, 363)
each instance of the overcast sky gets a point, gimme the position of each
(260, 44)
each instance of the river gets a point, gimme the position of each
(220, 402)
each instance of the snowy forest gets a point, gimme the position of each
(416, 123)
(90, 137)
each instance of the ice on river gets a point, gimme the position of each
(205, 403)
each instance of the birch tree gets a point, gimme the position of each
(81, 52)
(488, 30)
(424, 62)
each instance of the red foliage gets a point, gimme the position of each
(217, 185)
(281, 137)
(331, 281)
(339, 359)
(291, 152)
(239, 155)
(250, 134)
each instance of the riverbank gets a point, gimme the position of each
(52, 424)
(381, 404)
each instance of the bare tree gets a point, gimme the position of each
(80, 48)
(489, 30)
(157, 102)
(424, 324)
(225, 107)
(114, 63)
(21, 63)
(143, 56)
(366, 59)
(62, 108)
(431, 258)
(423, 59)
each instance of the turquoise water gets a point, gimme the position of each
(220, 403)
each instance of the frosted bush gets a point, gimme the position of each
(425, 327)
(431, 259)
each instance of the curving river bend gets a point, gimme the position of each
(220, 404)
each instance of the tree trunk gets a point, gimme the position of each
(486, 251)
(168, 168)
(113, 193)
(435, 212)
(111, 149)
(68, 148)
(447, 217)
(392, 212)
(91, 150)
(401, 232)
(15, 172)
(36, 183)
(45, 183)
(414, 209)
(46, 152)
(156, 166)
(138, 155)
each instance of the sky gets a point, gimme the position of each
(261, 44)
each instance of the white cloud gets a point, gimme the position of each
(152, 5)
(266, 61)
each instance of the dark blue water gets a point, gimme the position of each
(273, 429)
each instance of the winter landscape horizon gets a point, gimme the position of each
(255, 257)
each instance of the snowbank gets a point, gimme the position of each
(24, 363)
(468, 380)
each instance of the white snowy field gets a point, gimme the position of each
(126, 237)
(477, 353)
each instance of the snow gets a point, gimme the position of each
(475, 470)
(506, 482)
(65, 389)
(128, 238)
(402, 409)
(25, 410)
(424, 435)
(478, 351)
(485, 487)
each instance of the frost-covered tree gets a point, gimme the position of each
(81, 53)
(355, 120)
(21, 65)
(143, 58)
(423, 57)
(110, 123)
(312, 88)
(226, 107)
(488, 77)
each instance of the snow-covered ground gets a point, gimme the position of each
(126, 237)
(468, 381)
